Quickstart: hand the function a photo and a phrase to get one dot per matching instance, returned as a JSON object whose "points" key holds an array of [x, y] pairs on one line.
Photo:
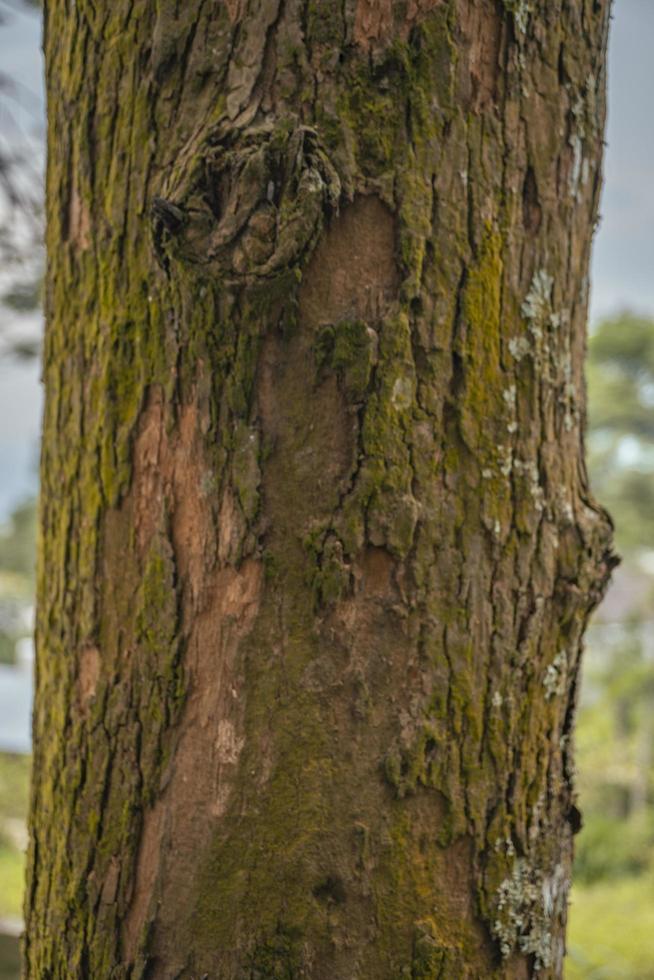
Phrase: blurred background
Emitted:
{"points": [[611, 932]]}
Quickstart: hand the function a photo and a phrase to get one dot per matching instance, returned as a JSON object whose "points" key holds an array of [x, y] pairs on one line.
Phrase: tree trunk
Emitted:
{"points": [[318, 547]]}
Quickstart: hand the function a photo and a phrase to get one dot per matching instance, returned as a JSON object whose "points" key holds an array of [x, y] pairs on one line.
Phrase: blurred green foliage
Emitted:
{"points": [[614, 757], [611, 928], [17, 542], [620, 373], [14, 790], [17, 548]]}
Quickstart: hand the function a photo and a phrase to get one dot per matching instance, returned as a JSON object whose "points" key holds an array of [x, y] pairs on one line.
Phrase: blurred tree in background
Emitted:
{"points": [[21, 273], [612, 918], [21, 203], [17, 542], [17, 546], [621, 439]]}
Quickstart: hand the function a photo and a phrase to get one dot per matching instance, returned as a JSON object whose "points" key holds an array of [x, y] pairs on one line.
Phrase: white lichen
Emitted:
{"points": [[568, 394], [505, 454], [519, 347], [510, 400], [537, 307], [528, 906], [504, 845], [565, 505], [577, 144], [586, 115], [402, 393], [529, 469], [521, 11], [555, 676]]}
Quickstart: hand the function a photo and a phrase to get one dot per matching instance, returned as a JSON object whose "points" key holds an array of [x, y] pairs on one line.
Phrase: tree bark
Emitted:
{"points": [[318, 547]]}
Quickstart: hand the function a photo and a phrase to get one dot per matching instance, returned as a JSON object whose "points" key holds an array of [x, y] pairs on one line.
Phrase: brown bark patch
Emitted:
{"points": [[169, 477], [353, 272], [305, 417], [306, 411], [481, 24], [377, 567], [89, 673], [209, 744], [373, 22], [79, 220], [230, 527], [150, 462], [532, 213], [192, 524], [147, 868], [376, 23], [308, 425], [167, 498], [234, 9]]}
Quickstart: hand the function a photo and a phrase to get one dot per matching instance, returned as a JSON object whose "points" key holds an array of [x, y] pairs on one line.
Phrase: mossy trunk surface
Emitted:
{"points": [[318, 546]]}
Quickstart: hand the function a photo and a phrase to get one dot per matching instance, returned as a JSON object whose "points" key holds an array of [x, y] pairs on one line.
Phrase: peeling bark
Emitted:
{"points": [[318, 546]]}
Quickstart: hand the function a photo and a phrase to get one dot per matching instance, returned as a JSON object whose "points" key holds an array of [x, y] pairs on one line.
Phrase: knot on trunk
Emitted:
{"points": [[252, 207]]}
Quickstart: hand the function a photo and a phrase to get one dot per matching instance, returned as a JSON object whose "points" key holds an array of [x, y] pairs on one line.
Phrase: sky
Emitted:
{"points": [[623, 260], [622, 274]]}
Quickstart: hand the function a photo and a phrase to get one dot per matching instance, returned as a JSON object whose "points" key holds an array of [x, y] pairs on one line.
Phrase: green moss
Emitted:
{"points": [[384, 485], [288, 822], [481, 346], [246, 474], [324, 23], [429, 958], [407, 768], [332, 577], [350, 349], [377, 128], [349, 524], [279, 958], [159, 646]]}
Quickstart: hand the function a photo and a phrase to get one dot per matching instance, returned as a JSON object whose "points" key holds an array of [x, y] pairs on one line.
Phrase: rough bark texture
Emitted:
{"points": [[317, 541]]}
